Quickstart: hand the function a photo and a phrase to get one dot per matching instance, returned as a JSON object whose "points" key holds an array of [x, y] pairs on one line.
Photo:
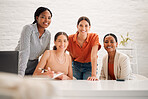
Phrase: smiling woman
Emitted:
{"points": [[83, 47], [34, 40], [56, 60], [116, 65]]}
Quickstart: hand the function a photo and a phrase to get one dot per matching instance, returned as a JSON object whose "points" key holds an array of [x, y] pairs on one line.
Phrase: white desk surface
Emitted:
{"points": [[37, 88], [83, 88]]}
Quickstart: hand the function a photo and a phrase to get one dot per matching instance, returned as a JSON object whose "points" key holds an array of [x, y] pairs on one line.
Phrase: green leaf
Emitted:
{"points": [[125, 39], [127, 34], [130, 39], [122, 37]]}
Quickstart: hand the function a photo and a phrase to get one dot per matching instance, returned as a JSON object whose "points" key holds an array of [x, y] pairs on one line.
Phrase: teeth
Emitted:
{"points": [[46, 23], [109, 47]]}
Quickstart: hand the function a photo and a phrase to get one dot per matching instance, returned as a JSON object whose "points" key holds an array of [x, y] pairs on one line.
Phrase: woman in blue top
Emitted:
{"points": [[34, 40]]}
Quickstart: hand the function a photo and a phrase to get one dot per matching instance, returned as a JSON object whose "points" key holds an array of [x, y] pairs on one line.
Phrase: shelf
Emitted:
{"points": [[122, 48]]}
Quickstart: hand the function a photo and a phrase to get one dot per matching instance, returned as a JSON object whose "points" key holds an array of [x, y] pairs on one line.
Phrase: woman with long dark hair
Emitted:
{"points": [[83, 47]]}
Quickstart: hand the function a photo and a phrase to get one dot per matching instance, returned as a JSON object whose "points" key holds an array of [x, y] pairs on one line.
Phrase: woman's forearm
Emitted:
{"points": [[94, 65], [94, 60]]}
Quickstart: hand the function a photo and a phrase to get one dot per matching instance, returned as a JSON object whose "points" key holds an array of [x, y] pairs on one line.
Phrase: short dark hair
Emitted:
{"points": [[39, 11], [83, 18], [56, 36], [110, 34]]}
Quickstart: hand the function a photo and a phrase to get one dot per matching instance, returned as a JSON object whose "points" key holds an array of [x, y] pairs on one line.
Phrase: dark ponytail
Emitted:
{"points": [[54, 47]]}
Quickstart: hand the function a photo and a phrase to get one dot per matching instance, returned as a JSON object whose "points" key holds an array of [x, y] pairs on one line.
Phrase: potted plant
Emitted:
{"points": [[125, 40]]}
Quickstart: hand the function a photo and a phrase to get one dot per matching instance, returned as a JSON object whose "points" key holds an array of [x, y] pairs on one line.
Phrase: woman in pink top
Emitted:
{"points": [[56, 60]]}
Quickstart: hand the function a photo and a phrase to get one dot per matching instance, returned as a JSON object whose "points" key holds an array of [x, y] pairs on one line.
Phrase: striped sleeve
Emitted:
{"points": [[24, 50]]}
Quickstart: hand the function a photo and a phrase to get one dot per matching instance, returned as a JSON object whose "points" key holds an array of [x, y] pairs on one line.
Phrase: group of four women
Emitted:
{"points": [[81, 62]]}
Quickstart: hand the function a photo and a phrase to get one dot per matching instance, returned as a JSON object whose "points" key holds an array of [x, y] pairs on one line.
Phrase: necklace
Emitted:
{"points": [[60, 60]]}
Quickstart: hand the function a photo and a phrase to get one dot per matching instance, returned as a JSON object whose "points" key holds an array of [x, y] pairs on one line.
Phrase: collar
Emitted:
{"points": [[76, 35], [36, 30]]}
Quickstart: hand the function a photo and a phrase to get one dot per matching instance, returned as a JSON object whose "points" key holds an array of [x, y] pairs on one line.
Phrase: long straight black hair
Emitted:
{"points": [[39, 11]]}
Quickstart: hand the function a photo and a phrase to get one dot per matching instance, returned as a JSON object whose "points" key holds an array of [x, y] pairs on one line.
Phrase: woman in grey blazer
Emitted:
{"points": [[34, 40], [116, 65]]}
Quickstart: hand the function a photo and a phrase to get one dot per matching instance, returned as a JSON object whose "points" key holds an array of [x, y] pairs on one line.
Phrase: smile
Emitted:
{"points": [[109, 47], [45, 23], [62, 47]]}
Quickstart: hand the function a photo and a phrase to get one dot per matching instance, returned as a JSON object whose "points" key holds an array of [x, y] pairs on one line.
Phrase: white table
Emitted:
{"points": [[111, 89], [14, 87]]}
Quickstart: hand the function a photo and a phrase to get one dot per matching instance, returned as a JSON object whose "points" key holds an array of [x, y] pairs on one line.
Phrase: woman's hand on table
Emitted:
{"points": [[63, 76], [92, 78]]}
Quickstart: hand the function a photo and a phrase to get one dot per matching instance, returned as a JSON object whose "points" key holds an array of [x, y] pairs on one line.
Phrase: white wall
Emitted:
{"points": [[116, 16]]}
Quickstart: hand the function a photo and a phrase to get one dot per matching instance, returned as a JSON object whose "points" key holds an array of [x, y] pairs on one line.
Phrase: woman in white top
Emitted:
{"points": [[116, 65], [57, 60], [34, 40]]}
